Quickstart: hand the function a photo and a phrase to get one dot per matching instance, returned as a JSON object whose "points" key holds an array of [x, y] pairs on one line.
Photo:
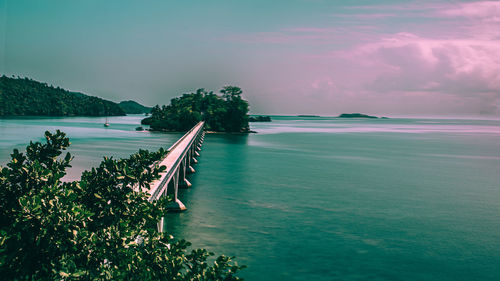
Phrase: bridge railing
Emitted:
{"points": [[186, 144], [185, 136]]}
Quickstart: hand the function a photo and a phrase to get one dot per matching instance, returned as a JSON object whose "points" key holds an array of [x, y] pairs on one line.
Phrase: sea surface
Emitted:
{"points": [[324, 198]]}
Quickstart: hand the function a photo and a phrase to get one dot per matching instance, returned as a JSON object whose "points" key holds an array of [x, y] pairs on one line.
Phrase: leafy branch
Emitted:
{"points": [[101, 227]]}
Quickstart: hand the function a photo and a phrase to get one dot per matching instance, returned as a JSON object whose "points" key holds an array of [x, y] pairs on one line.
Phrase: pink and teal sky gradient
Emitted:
{"points": [[290, 57]]}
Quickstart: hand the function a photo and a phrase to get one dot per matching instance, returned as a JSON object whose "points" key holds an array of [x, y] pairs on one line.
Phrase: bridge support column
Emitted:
{"points": [[162, 225], [183, 181], [195, 154], [189, 161], [192, 158], [173, 189]]}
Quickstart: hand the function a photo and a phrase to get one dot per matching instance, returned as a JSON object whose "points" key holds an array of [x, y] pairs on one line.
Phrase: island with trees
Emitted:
{"points": [[356, 115], [259, 118], [26, 97], [224, 112]]}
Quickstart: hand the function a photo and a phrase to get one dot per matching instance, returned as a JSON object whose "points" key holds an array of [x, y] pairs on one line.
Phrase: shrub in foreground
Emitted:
{"points": [[99, 228]]}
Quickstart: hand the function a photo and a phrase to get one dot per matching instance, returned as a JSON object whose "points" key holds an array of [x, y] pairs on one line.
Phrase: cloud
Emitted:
{"points": [[486, 10], [448, 61], [405, 62], [460, 70], [421, 59]]}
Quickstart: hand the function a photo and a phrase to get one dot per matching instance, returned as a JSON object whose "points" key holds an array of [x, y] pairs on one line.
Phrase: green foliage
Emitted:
{"points": [[259, 118], [226, 113], [356, 115], [132, 107], [99, 228], [26, 97]]}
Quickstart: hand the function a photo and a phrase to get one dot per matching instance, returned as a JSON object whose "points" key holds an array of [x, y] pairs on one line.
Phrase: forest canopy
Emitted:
{"points": [[26, 97], [133, 107], [227, 112]]}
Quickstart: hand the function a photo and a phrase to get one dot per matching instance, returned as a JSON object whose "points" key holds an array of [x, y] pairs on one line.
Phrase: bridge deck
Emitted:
{"points": [[176, 152]]}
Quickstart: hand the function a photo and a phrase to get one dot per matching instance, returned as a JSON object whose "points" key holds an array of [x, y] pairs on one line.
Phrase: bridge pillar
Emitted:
{"points": [[191, 170], [162, 225], [192, 159], [195, 154], [183, 181], [173, 189], [189, 161]]}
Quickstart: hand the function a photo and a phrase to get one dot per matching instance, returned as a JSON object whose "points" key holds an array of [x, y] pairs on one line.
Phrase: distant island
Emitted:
{"points": [[227, 112], [26, 97], [356, 115], [132, 107], [259, 119]]}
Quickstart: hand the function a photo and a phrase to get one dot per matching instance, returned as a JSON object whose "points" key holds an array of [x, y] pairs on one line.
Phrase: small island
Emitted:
{"points": [[227, 112], [26, 97], [259, 118], [356, 115], [307, 115]]}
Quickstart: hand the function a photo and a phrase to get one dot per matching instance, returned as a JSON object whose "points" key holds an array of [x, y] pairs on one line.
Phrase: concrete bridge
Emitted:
{"points": [[179, 160]]}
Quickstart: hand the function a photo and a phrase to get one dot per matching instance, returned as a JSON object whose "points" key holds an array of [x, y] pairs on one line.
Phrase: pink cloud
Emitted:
{"points": [[476, 20], [405, 72], [484, 9], [449, 64], [406, 62]]}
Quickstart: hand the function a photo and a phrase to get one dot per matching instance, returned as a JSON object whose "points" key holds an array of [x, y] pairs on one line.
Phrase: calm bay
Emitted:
{"points": [[324, 198]]}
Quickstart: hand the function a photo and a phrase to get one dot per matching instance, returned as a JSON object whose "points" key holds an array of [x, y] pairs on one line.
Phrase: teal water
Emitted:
{"points": [[324, 198], [90, 140]]}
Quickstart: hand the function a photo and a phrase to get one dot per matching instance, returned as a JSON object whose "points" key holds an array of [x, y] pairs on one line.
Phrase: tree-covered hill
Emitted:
{"points": [[222, 113], [132, 107], [26, 97]]}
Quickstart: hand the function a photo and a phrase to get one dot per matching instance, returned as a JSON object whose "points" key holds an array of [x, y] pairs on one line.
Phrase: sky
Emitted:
{"points": [[289, 56]]}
